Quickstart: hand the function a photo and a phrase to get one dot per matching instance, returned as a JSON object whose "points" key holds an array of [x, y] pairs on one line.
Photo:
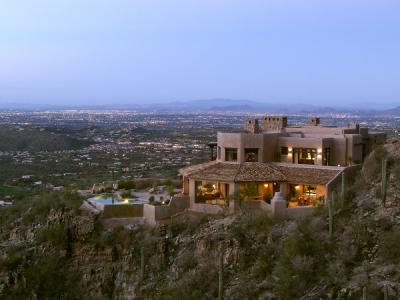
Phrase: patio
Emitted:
{"points": [[215, 193], [263, 191], [305, 195]]}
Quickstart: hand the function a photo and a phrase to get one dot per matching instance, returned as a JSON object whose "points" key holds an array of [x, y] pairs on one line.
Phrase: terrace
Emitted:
{"points": [[306, 195], [258, 190], [215, 193], [216, 182]]}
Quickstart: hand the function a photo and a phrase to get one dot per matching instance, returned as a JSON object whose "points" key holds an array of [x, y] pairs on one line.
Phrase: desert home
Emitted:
{"points": [[288, 170]]}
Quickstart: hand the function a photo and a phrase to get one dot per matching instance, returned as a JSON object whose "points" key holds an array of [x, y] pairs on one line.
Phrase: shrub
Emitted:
{"points": [[151, 199], [12, 260], [187, 262], [396, 172], [178, 227], [126, 184], [56, 234], [48, 278], [389, 245], [126, 194], [170, 189], [373, 163], [146, 183]]}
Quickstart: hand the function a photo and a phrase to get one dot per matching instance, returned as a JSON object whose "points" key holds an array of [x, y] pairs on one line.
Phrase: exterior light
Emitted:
{"points": [[266, 185], [338, 165], [214, 186], [319, 155], [319, 150], [290, 149]]}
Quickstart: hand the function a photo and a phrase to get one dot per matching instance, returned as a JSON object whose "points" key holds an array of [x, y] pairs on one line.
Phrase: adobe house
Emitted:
{"points": [[300, 165]]}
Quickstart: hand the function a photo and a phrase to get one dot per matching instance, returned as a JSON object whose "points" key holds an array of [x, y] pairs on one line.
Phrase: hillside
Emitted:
{"points": [[33, 139], [52, 250]]}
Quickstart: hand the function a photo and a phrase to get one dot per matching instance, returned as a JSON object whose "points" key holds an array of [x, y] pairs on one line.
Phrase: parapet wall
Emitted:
{"points": [[281, 211], [151, 213], [154, 214], [273, 123]]}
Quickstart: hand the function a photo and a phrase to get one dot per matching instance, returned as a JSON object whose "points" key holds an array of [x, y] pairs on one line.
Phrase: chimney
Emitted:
{"points": [[252, 126], [314, 121], [274, 122]]}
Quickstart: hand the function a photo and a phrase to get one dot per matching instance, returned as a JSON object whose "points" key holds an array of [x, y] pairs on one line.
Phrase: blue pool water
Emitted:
{"points": [[110, 199]]}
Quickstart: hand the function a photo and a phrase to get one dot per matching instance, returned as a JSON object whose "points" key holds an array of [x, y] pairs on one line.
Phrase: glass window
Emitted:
{"points": [[309, 190], [199, 198], [251, 155], [219, 152], [284, 150], [230, 154], [304, 156], [327, 157]]}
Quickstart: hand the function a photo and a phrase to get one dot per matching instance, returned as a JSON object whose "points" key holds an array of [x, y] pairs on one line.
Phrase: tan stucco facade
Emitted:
{"points": [[271, 143], [344, 145]]}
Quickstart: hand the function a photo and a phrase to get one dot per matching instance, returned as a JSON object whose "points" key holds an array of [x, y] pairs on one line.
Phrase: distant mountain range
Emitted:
{"points": [[394, 111], [211, 106]]}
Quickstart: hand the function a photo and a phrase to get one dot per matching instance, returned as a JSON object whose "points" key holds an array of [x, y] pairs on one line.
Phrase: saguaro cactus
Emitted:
{"points": [[384, 180], [220, 278], [141, 263], [343, 192], [364, 296], [330, 211], [385, 292]]}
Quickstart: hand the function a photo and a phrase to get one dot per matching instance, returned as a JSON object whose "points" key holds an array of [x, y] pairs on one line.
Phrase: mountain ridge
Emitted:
{"points": [[209, 106]]}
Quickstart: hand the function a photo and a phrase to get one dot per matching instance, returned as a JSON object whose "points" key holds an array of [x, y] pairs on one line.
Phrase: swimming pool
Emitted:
{"points": [[110, 199]]}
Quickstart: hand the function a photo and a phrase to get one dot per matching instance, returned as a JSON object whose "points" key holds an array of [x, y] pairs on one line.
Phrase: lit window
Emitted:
{"points": [[251, 155], [230, 154]]}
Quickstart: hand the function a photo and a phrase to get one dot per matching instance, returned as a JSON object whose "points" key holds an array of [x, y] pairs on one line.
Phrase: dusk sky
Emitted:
{"points": [[342, 52]]}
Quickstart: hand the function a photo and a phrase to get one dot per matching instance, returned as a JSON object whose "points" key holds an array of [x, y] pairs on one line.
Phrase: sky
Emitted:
{"points": [[95, 52]]}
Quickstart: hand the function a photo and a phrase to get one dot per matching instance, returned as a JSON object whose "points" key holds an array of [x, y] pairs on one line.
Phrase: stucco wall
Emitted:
{"points": [[343, 146], [289, 212], [241, 141], [149, 213], [153, 214], [299, 142], [123, 210], [271, 150]]}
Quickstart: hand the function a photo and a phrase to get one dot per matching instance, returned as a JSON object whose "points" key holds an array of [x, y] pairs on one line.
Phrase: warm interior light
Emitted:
{"points": [[338, 165], [290, 149], [319, 150], [266, 185], [214, 186], [297, 187]]}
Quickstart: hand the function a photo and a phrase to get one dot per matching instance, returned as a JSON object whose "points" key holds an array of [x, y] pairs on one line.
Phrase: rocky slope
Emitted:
{"points": [[49, 249]]}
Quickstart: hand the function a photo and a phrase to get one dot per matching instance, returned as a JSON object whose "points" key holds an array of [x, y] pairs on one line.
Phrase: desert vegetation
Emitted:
{"points": [[50, 249]]}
